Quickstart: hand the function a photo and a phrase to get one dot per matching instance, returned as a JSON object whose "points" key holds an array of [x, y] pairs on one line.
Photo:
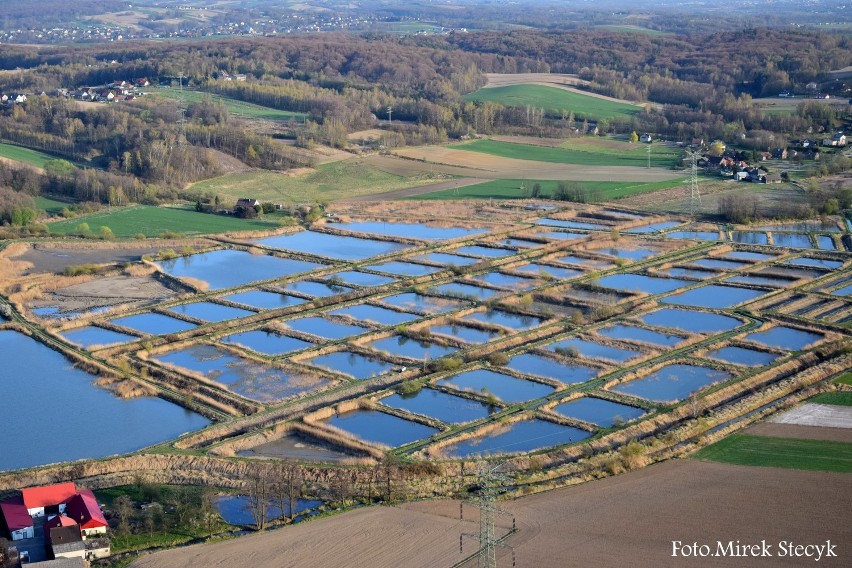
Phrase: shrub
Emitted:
{"points": [[409, 388], [448, 364], [80, 269], [498, 358], [106, 233], [168, 254]]}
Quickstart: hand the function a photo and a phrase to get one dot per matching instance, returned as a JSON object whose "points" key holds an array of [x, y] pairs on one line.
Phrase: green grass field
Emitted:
{"points": [[555, 100], [32, 157], [332, 181], [817, 455], [510, 189], [51, 206], [844, 379], [153, 221], [588, 155], [627, 28], [235, 107], [836, 398]]}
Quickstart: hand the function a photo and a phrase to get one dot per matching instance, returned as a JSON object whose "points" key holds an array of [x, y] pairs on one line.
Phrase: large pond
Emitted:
{"points": [[547, 270], [35, 374], [689, 320], [408, 230], [440, 406], [266, 342], [507, 281], [92, 336], [635, 333], [376, 314], [235, 509], [317, 289], [353, 364], [154, 324], [569, 224], [462, 290], [484, 252], [598, 411], [403, 268], [593, 350], [672, 382], [505, 387], [321, 327], [247, 378], [522, 436], [511, 320], [217, 268], [263, 300], [465, 333], [641, 283], [403, 346], [356, 278], [446, 259], [714, 296], [209, 311], [422, 304], [381, 428], [550, 368], [743, 356], [331, 246], [785, 338]]}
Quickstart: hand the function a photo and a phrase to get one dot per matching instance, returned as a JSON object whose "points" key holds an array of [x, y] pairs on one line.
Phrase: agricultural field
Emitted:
{"points": [[631, 29], [556, 100], [512, 189], [843, 398], [815, 455], [25, 155], [234, 106], [154, 221], [51, 206]]}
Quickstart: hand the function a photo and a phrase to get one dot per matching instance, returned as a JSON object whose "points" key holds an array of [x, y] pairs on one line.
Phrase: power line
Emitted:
{"points": [[489, 484], [694, 193]]}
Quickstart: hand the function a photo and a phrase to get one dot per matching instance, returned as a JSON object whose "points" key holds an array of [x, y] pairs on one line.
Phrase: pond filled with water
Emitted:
{"points": [[440, 406], [662, 226], [550, 368], [569, 224], [355, 278], [522, 436], [403, 268], [791, 240], [34, 372], [825, 243], [672, 382], [843, 292], [317, 289], [696, 235], [446, 259], [235, 509], [749, 238], [92, 335], [757, 280], [747, 255], [263, 300], [354, 364], [407, 230], [592, 349], [632, 332], [506, 281], [465, 291], [689, 320], [743, 356], [719, 263], [464, 333], [816, 263], [680, 272], [420, 303], [641, 283], [505, 387], [209, 311], [324, 328], [382, 428], [633, 254], [484, 252], [331, 246], [538, 269], [599, 411], [218, 267], [376, 314], [518, 242], [785, 338], [803, 226], [243, 376], [505, 319], [557, 235], [714, 296], [266, 342], [403, 346], [586, 262], [153, 323]]}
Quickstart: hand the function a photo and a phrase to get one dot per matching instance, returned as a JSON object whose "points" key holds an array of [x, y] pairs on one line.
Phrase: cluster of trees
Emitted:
{"points": [[162, 508]]}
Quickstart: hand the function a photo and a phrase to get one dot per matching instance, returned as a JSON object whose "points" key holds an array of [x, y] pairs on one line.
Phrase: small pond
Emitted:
{"points": [[816, 263], [785, 338], [381, 428], [791, 240], [719, 263], [672, 382], [757, 280], [235, 509], [522, 436], [695, 235], [209, 311], [689, 320], [154, 323], [407, 230], [545, 270], [641, 283], [747, 256], [714, 296], [743, 356], [92, 335], [331, 246], [843, 292], [749, 238], [324, 328], [375, 314], [263, 300], [507, 281], [317, 289], [656, 227], [465, 333], [825, 242], [505, 387], [403, 268], [586, 262], [356, 278], [569, 224], [551, 368], [266, 342], [423, 304], [446, 259], [502, 318], [594, 350], [354, 364], [403, 346], [633, 254], [557, 235], [599, 411], [484, 252], [680, 272], [634, 333], [464, 291], [440, 406], [815, 226]]}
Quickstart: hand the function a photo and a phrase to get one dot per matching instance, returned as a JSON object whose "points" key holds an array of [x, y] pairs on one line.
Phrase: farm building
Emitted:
{"points": [[646, 138], [772, 178], [84, 510], [16, 519], [47, 499]]}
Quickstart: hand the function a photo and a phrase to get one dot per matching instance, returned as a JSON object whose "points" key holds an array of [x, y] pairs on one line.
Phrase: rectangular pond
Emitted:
{"points": [[484, 252], [655, 228], [502, 318], [331, 246], [154, 323], [399, 268], [569, 224], [815, 226], [34, 372], [785, 338], [209, 311], [749, 238], [507, 281], [714, 296], [465, 333], [641, 283], [235, 509], [266, 342], [695, 235], [380, 427], [557, 235], [464, 291], [422, 304], [353, 364], [598, 411], [633, 254], [356, 278], [229, 268], [825, 242], [816, 263], [317, 289], [407, 230], [245, 377], [690, 320], [791, 240], [505, 387], [585, 262], [757, 280], [680, 272], [539, 366], [718, 263], [521, 436], [446, 259], [91, 335], [743, 356], [321, 327], [375, 314], [748, 256], [548, 271], [441, 406], [593, 350], [263, 300], [672, 383], [403, 346], [634, 333]]}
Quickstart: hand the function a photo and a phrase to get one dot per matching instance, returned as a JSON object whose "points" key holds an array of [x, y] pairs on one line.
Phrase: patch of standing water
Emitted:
{"points": [[317, 289], [585, 262], [263, 300], [695, 235], [446, 259], [354, 364], [403, 268], [484, 252], [441, 406], [408, 230], [690, 320], [816, 263], [465, 291], [631, 332], [714, 296], [34, 372], [507, 281], [331, 246], [511, 320], [641, 283], [521, 436], [759, 280], [266, 342], [672, 382], [568, 224], [550, 368], [355, 278], [91, 335], [520, 243], [749, 238], [662, 226], [825, 242], [747, 255], [236, 510], [679, 272], [804, 226], [537, 269], [403, 346], [598, 411], [505, 387], [791, 240], [719, 263], [785, 338], [594, 350], [208, 311], [464, 333], [154, 323], [843, 292], [381, 428], [321, 327], [743, 356], [631, 254], [423, 304], [560, 235], [375, 314], [217, 267]]}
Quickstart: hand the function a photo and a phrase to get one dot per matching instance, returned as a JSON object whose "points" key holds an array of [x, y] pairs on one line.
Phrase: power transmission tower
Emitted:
{"points": [[488, 486], [694, 193]]}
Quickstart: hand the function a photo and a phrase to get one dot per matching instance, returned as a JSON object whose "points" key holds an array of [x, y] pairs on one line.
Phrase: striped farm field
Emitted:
{"points": [[817, 455], [555, 100], [511, 189]]}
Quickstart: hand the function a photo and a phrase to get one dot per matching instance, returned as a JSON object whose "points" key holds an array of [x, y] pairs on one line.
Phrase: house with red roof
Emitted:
{"points": [[48, 498], [16, 519], [83, 508]]}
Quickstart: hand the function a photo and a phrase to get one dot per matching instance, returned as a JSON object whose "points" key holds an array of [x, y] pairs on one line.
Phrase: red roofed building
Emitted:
{"points": [[16, 519], [57, 521], [83, 508], [50, 498]]}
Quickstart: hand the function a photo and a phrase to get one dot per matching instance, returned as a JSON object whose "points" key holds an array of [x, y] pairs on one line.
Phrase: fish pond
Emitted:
{"points": [[785, 338], [403, 346], [816, 263], [380, 427], [656, 227], [634, 333], [521, 436], [720, 264], [672, 382], [545, 270], [321, 327], [154, 323], [263, 300], [209, 311], [633, 254], [408, 230], [791, 240], [502, 318], [484, 252], [743, 356], [539, 366], [569, 224], [317, 289], [441, 406], [356, 278], [593, 350], [464, 291], [507, 281], [446, 259], [505, 387], [465, 333], [749, 238], [353, 364], [598, 411], [92, 335], [420, 303], [375, 314], [748, 256], [331, 246], [34, 372], [266, 342], [690, 320], [681, 272], [399, 268], [695, 235], [714, 296], [641, 283]]}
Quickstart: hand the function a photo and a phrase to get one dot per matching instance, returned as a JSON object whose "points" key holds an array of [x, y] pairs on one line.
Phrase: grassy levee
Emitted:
{"points": [[25, 155], [814, 455], [556, 100], [234, 106], [511, 189]]}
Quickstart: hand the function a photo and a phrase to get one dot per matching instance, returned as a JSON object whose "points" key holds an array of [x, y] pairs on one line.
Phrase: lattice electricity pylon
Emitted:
{"points": [[694, 193], [488, 486]]}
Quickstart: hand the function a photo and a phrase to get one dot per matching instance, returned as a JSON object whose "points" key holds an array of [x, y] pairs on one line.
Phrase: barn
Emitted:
{"points": [[16, 519], [47, 499]]}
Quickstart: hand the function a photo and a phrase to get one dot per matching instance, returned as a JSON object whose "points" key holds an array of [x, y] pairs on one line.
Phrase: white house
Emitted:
{"points": [[645, 138]]}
